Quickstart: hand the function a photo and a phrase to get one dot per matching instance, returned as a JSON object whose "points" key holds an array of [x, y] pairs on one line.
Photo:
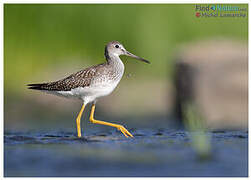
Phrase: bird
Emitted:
{"points": [[92, 83]]}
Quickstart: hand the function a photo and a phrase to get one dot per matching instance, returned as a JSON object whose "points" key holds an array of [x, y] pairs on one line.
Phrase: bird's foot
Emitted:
{"points": [[124, 131], [79, 135]]}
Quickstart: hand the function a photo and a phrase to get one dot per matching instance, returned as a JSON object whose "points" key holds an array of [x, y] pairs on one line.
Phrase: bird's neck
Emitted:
{"points": [[114, 60]]}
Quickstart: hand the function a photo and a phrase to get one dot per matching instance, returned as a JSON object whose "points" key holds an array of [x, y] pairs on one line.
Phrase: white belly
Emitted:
{"points": [[88, 94], [101, 85]]}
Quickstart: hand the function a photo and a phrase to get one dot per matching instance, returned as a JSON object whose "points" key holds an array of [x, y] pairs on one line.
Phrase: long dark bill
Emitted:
{"points": [[136, 57]]}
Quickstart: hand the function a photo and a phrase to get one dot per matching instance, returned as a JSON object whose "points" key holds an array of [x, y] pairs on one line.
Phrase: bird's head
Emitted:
{"points": [[117, 49]]}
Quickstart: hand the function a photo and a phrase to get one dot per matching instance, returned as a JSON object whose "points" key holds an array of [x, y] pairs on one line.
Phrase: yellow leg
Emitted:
{"points": [[79, 119], [118, 126]]}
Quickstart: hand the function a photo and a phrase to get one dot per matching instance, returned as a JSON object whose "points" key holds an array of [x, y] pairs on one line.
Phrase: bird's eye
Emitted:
{"points": [[116, 46]]}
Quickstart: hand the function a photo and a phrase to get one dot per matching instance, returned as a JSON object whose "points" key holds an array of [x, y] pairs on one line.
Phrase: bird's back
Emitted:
{"points": [[92, 76], [82, 78]]}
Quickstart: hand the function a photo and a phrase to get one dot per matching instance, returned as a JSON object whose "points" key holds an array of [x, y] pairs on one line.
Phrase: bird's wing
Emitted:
{"points": [[81, 78]]}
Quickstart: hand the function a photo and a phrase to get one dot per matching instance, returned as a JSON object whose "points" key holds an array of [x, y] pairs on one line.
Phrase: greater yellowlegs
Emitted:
{"points": [[92, 83]]}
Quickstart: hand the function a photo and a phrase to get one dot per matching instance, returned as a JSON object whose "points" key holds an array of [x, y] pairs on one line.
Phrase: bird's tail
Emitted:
{"points": [[38, 86]]}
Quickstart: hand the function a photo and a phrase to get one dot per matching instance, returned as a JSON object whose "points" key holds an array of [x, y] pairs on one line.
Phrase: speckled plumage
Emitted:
{"points": [[93, 82], [82, 78]]}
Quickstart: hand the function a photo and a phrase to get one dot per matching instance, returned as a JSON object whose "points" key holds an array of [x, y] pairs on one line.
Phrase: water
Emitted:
{"points": [[160, 152]]}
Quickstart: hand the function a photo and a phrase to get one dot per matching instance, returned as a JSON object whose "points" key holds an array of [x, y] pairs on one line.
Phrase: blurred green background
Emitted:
{"points": [[46, 42]]}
